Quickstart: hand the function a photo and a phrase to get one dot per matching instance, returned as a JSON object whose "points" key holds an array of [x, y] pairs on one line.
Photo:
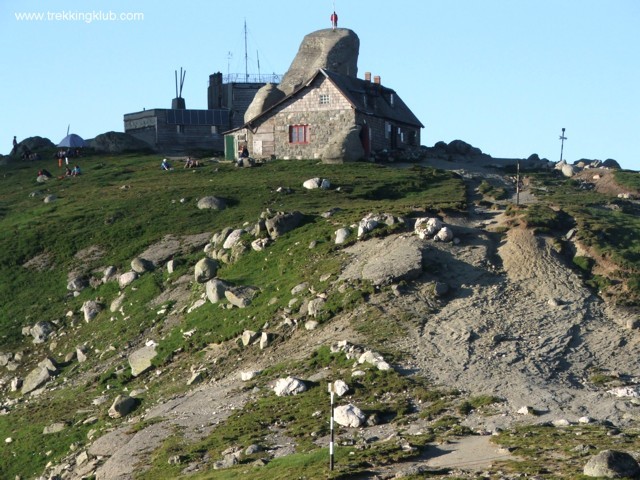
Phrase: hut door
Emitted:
{"points": [[365, 139], [230, 149]]}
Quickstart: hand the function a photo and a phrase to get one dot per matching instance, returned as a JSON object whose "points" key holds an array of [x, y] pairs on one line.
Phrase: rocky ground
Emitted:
{"points": [[513, 321]]}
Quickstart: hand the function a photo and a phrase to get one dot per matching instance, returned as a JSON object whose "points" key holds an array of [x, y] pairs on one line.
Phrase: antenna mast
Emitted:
{"points": [[258, 58], [246, 57]]}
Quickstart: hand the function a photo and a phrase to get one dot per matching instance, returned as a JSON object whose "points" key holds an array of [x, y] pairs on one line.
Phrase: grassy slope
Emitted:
{"points": [[95, 210], [123, 204]]}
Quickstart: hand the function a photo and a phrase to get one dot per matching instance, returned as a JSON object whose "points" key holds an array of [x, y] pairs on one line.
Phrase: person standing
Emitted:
{"points": [[334, 20], [15, 145]]}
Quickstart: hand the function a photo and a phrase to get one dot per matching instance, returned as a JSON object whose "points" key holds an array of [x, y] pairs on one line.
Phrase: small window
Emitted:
{"points": [[387, 130], [299, 134], [180, 128], [324, 99]]}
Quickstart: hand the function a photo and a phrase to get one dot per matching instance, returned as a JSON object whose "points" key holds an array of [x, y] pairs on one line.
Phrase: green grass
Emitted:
{"points": [[126, 203], [552, 453]]}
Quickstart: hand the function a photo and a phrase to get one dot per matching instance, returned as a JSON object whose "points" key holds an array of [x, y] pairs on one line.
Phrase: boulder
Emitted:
{"points": [[50, 198], [109, 274], [249, 375], [349, 416], [336, 50], [340, 387], [205, 270], [39, 376], [140, 360], [117, 303], [127, 279], [282, 223], [248, 337], [612, 464], [445, 234], [240, 297], [568, 170], [41, 331], [77, 283], [367, 224], [315, 306], [385, 261], [427, 227], [264, 98], [54, 428], [122, 406], [341, 235], [233, 238], [289, 386], [212, 203], [312, 183], [118, 142], [265, 340], [141, 265], [300, 288], [35, 144], [260, 244], [91, 309], [215, 289]]}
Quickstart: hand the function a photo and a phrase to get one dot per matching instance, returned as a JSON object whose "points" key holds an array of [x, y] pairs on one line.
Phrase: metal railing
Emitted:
{"points": [[251, 78]]}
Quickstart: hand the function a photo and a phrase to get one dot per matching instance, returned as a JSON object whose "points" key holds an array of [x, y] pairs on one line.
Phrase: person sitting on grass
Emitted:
{"points": [[165, 165], [76, 171]]}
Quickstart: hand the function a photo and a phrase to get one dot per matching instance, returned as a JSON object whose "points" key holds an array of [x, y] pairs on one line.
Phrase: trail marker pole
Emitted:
{"points": [[518, 182], [562, 139], [331, 391]]}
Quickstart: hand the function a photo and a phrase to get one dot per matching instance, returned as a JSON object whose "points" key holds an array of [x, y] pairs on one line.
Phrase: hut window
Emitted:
{"points": [[324, 99], [299, 134]]}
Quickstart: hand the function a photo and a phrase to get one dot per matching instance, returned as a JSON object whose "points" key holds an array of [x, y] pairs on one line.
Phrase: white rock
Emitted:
{"points": [[249, 375], [289, 386], [625, 391], [233, 238], [341, 235], [340, 387], [349, 416], [312, 183], [127, 279]]}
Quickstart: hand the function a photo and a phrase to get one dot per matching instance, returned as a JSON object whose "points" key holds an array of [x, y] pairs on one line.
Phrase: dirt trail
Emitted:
{"points": [[522, 327]]}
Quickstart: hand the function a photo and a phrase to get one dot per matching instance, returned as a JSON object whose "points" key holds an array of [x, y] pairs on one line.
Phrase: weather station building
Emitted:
{"points": [[178, 130]]}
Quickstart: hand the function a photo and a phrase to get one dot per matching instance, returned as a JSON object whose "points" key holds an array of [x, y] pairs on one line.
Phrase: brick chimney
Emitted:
{"points": [[376, 79], [367, 76]]}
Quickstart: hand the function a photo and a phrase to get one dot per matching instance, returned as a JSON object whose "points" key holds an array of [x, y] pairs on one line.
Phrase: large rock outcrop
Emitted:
{"points": [[336, 50], [118, 142]]}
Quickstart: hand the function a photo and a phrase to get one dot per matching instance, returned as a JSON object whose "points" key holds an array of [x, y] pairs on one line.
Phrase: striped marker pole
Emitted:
{"points": [[331, 427]]}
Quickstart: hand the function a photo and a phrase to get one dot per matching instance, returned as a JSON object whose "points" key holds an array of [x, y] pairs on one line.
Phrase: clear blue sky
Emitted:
{"points": [[503, 75]]}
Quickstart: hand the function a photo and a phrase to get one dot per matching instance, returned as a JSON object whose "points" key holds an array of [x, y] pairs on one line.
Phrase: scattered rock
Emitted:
{"points": [[41, 331], [612, 464], [205, 270], [122, 406], [341, 235], [241, 297], [289, 386], [91, 309], [127, 279], [140, 360], [349, 416], [212, 203]]}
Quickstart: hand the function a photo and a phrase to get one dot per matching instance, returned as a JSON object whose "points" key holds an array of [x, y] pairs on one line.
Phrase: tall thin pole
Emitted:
{"points": [[518, 183], [246, 56], [331, 428], [562, 139]]}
